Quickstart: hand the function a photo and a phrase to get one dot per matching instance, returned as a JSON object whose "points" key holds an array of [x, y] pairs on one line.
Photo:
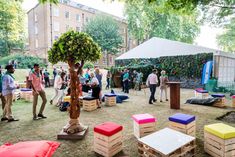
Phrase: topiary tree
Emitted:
{"points": [[74, 48]]}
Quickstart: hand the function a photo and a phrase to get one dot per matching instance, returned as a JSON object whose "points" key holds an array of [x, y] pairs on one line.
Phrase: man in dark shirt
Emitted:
{"points": [[46, 75], [122, 84]]}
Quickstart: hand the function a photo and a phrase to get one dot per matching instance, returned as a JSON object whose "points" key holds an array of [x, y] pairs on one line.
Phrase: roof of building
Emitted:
{"points": [[158, 47]]}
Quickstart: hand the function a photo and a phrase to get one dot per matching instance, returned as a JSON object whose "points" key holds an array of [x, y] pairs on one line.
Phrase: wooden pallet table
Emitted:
{"points": [[167, 143], [108, 139], [143, 124], [219, 140], [89, 104], [184, 123]]}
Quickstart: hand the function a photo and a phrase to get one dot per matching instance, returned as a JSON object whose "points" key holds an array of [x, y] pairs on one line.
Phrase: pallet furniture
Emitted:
{"points": [[110, 99], [143, 124], [233, 101], [16, 95], [219, 140], [81, 101], [22, 85], [26, 94], [89, 103], [184, 123], [108, 139], [201, 94], [221, 100], [167, 143]]}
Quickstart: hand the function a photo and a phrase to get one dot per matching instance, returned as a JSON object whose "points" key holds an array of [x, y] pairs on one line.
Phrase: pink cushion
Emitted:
{"points": [[108, 128], [233, 96], [143, 118], [29, 149]]}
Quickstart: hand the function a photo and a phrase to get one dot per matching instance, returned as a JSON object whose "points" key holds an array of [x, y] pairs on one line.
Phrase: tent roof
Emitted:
{"points": [[158, 47]]}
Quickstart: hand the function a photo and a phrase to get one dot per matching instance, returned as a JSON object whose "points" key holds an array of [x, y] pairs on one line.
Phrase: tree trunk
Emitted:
{"points": [[107, 57], [74, 126]]}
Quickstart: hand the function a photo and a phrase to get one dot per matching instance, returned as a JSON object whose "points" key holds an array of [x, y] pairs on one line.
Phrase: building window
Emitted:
{"points": [[35, 17], [104, 60], [36, 43], [36, 30], [56, 26], [56, 12], [87, 20], [56, 37], [78, 18], [124, 30], [78, 29], [67, 15]]}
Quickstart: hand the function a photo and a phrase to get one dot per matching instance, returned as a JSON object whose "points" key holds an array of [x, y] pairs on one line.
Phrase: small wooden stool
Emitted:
{"points": [[201, 94], [89, 103], [16, 95], [110, 99], [221, 100], [219, 140], [184, 123], [167, 143], [144, 124], [26, 93], [108, 139], [81, 101]]}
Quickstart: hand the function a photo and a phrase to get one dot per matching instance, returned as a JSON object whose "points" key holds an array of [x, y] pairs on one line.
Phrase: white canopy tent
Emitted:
{"points": [[158, 47]]}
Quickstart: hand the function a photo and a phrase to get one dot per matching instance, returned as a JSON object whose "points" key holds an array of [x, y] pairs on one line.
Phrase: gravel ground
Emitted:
{"points": [[47, 129]]}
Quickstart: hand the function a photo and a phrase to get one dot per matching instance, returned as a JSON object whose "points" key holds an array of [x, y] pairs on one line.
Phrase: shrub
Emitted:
{"points": [[88, 65], [24, 62]]}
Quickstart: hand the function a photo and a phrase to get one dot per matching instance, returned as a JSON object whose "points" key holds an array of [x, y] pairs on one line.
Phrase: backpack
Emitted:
{"points": [[64, 106]]}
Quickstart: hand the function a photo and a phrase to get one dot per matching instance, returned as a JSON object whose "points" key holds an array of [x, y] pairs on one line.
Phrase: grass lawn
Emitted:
{"points": [[47, 129]]}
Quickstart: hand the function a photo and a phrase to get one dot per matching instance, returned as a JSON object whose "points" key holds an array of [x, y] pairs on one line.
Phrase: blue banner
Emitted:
{"points": [[206, 73]]}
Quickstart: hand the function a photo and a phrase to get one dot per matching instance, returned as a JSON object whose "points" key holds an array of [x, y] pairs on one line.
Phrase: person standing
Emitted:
{"points": [[163, 85], [36, 81], [1, 96], [95, 89], [54, 73], [108, 77], [122, 83], [126, 81], [8, 88], [151, 82], [46, 76], [57, 85]]}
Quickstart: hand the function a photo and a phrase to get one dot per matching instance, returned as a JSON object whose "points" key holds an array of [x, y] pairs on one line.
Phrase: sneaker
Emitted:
{"points": [[51, 102], [166, 99], [12, 120], [35, 118], [41, 116], [98, 107], [150, 103], [154, 100], [4, 119], [160, 100]]}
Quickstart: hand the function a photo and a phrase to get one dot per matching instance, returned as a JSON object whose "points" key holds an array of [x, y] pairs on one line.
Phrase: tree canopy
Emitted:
{"points": [[227, 39], [12, 32], [146, 21], [105, 31]]}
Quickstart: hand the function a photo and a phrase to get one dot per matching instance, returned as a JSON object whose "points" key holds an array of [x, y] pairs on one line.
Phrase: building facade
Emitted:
{"points": [[46, 22]]}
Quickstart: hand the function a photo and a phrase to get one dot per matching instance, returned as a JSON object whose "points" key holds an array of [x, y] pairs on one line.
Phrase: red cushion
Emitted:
{"points": [[108, 128], [29, 149]]}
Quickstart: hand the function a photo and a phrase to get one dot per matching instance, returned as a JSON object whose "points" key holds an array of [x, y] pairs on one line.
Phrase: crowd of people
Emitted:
{"points": [[90, 81]]}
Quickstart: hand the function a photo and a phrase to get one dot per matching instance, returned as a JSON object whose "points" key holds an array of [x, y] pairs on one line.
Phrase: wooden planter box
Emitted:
{"points": [[167, 143], [89, 105], [110, 101], [189, 129]]}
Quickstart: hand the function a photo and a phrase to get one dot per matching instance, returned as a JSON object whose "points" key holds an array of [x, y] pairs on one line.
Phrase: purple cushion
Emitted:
{"points": [[182, 118], [25, 89], [218, 95], [110, 95], [202, 91]]}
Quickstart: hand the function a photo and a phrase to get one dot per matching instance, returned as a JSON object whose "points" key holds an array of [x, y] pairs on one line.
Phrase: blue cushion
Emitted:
{"points": [[218, 95], [182, 118], [25, 89], [88, 98], [202, 91], [110, 95]]}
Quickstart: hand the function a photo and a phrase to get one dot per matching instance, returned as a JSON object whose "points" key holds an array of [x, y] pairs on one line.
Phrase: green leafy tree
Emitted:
{"points": [[105, 31], [146, 21], [227, 39], [12, 32], [74, 48]]}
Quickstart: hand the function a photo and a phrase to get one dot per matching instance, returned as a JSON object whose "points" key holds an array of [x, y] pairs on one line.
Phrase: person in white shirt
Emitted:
{"points": [[152, 82], [95, 89], [57, 86]]}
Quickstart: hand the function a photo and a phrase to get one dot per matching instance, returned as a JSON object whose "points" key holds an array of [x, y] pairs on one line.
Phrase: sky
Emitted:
{"points": [[206, 38]]}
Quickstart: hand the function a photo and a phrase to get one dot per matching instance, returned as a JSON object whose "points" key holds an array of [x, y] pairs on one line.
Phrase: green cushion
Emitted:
{"points": [[221, 130]]}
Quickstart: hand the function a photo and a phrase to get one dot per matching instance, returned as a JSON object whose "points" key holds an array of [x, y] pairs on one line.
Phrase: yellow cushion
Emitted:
{"points": [[221, 130], [67, 99]]}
